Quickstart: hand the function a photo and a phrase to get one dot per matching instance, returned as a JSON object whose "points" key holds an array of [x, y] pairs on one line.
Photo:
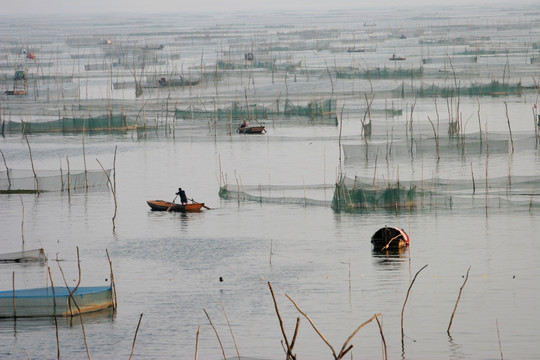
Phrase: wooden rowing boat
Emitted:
{"points": [[259, 129], [390, 238], [24, 256], [162, 205], [54, 301]]}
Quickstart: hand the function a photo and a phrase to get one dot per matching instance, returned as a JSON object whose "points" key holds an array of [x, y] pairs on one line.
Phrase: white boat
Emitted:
{"points": [[25, 255], [54, 301]]}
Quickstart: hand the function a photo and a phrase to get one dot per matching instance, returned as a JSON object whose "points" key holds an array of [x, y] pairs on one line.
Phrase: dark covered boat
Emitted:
{"points": [[162, 205], [390, 238], [163, 82]]}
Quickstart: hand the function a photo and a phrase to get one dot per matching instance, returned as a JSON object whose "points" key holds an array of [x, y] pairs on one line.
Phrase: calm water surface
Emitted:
{"points": [[167, 265]]}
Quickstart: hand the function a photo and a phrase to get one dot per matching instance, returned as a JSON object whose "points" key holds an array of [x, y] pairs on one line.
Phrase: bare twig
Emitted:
{"points": [[289, 346], [313, 325]]}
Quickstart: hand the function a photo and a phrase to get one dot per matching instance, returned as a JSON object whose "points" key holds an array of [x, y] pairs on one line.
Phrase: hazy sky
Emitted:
{"points": [[35, 7]]}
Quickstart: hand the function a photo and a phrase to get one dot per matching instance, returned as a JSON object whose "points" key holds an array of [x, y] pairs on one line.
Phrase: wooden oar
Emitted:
{"points": [[170, 206], [204, 206]]}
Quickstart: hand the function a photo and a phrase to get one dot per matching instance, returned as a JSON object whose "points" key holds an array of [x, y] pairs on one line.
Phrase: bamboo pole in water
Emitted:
{"points": [[22, 221], [72, 299], [385, 348], [217, 335], [459, 296], [135, 337], [113, 190], [14, 298], [499, 338], [7, 169], [230, 328], [32, 162], [509, 127], [55, 317], [197, 343], [113, 283], [403, 309]]}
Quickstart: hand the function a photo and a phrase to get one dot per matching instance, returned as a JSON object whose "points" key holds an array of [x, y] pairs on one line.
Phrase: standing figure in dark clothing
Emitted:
{"points": [[182, 195]]}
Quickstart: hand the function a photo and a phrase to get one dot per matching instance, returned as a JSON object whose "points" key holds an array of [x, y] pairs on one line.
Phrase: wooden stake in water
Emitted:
{"points": [[32, 162], [459, 296], [14, 297], [403, 309], [135, 337], [217, 335], [509, 127]]}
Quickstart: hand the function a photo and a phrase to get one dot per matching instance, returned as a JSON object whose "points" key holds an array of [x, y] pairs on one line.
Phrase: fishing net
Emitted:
{"points": [[51, 180], [107, 122], [305, 195], [368, 194]]}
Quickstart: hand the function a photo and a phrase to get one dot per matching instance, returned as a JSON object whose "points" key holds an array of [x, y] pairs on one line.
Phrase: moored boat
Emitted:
{"points": [[397, 58], [259, 129], [54, 301], [163, 82], [390, 238], [162, 205]]}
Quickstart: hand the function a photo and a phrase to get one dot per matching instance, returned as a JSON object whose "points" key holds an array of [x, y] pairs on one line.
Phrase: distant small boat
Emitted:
{"points": [[397, 58], [24, 256], [353, 50], [54, 301], [258, 129], [390, 238], [15, 92], [162, 205], [163, 82]]}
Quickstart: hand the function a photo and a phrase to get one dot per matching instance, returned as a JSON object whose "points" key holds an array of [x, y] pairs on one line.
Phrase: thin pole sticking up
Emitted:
{"points": [[230, 329], [72, 299], [499, 337], [457, 301], [22, 221], [197, 343], [7, 169], [509, 128], [135, 337], [217, 335], [113, 190], [383, 340], [113, 283], [14, 297], [403, 309], [32, 162], [55, 317]]}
